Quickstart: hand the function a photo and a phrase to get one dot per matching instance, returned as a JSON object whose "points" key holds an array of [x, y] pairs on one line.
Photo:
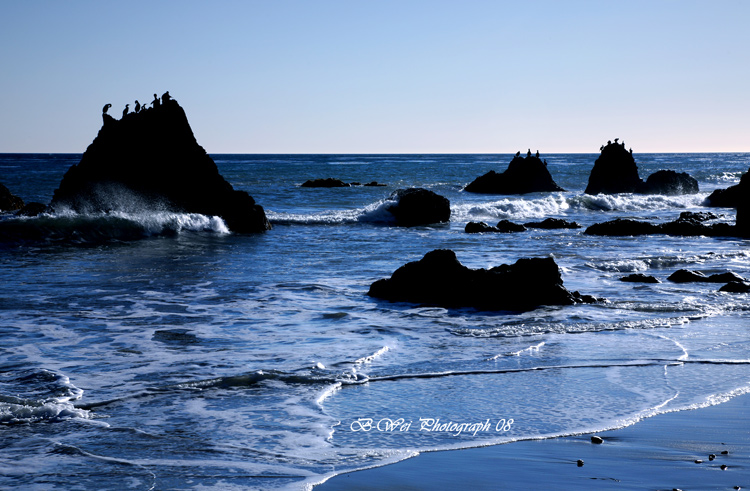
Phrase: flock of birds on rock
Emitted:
{"points": [[138, 107]]}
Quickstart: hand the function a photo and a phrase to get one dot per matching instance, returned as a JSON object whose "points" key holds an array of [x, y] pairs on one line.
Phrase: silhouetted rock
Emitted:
{"points": [[735, 287], [730, 197], [669, 182], [698, 216], [622, 227], [440, 279], [552, 223], [417, 206], [503, 226], [506, 226], [615, 171], [523, 175], [639, 278], [687, 276], [32, 209], [325, 183], [679, 227], [375, 184], [151, 160], [479, 227], [8, 201]]}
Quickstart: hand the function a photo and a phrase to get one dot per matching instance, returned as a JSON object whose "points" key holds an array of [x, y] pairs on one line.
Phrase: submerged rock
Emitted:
{"points": [[552, 223], [32, 209], [478, 228], [688, 276], [417, 206], [8, 201], [681, 227], [503, 226], [151, 160], [735, 287], [524, 175], [325, 183], [440, 279], [507, 226], [639, 278], [615, 171]]}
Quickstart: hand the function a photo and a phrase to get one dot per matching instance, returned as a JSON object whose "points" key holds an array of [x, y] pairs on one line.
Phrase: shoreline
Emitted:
{"points": [[660, 452]]}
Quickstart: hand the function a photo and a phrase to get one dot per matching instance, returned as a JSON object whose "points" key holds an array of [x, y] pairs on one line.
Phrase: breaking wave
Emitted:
{"points": [[103, 227]]}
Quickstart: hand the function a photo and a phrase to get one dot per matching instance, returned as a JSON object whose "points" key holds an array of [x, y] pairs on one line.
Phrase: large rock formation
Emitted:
{"points": [[440, 279], [524, 175], [615, 171], [417, 206], [151, 160], [8, 201]]}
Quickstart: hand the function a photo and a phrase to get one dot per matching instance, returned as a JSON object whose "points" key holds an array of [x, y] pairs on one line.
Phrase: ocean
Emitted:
{"points": [[156, 350]]}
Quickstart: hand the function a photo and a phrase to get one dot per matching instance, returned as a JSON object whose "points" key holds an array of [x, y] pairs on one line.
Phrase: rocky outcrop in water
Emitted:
{"points": [[680, 227], [731, 197], [688, 276], [552, 223], [417, 206], [615, 171], [639, 278], [325, 183], [503, 226], [524, 175], [506, 226], [9, 201], [32, 209], [151, 160], [440, 279]]}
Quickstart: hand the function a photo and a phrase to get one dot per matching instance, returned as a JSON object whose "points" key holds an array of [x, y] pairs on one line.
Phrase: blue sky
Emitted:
{"points": [[320, 76]]}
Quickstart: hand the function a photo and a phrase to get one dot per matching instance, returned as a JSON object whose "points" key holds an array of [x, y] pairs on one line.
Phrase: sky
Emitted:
{"points": [[382, 76]]}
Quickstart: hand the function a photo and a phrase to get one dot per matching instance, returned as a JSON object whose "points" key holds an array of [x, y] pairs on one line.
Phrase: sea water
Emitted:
{"points": [[147, 349]]}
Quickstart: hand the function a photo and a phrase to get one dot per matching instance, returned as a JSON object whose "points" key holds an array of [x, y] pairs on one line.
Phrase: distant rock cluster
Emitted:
{"points": [[331, 182], [733, 283]]}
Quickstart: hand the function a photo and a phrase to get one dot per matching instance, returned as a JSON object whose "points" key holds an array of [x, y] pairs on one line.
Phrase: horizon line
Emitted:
{"points": [[404, 153]]}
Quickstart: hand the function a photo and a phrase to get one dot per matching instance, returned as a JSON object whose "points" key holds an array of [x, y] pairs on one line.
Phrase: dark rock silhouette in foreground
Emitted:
{"points": [[8, 201], [150, 160], [615, 171], [417, 206], [524, 175], [325, 183], [440, 279]]}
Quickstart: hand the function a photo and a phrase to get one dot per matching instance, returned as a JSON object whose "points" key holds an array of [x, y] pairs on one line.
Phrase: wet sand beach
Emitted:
{"points": [[659, 453]]}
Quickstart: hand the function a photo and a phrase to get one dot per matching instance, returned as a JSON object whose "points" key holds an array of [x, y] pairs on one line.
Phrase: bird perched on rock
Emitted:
{"points": [[125, 111], [105, 108]]}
